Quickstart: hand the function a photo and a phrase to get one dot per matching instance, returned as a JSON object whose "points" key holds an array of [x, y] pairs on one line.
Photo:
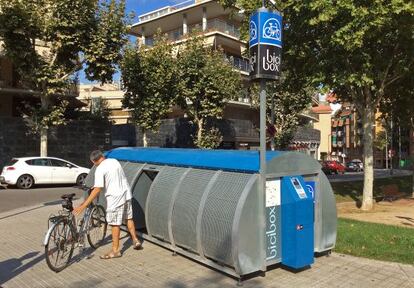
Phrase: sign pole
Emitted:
{"points": [[263, 136], [265, 45]]}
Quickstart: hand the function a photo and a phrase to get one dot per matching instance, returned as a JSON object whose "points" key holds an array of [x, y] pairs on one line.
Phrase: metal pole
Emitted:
{"points": [[272, 143], [264, 3], [262, 183], [263, 133]]}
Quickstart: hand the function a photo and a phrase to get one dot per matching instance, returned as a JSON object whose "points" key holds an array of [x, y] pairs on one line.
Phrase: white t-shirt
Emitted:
{"points": [[110, 176]]}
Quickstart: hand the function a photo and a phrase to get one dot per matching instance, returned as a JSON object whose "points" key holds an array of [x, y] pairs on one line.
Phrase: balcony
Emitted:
{"points": [[212, 25], [223, 26], [239, 63]]}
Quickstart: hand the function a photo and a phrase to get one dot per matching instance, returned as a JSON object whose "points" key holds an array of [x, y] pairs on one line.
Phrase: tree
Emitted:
{"points": [[150, 77], [288, 103], [49, 41], [206, 83], [400, 107], [361, 49]]}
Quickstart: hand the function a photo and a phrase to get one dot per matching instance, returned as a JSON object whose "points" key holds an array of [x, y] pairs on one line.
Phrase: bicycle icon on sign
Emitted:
{"points": [[253, 31], [272, 29]]}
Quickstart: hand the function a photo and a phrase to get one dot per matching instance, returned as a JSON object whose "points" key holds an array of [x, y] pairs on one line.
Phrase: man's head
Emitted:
{"points": [[96, 157]]}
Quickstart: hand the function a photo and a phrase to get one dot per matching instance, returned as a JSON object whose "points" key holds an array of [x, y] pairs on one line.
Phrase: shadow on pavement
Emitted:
{"points": [[13, 267]]}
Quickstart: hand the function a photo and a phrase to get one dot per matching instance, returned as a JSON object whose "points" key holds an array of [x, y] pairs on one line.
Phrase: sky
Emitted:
{"points": [[140, 7]]}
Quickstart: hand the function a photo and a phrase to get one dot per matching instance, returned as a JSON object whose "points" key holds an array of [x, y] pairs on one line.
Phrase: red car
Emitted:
{"points": [[333, 167]]}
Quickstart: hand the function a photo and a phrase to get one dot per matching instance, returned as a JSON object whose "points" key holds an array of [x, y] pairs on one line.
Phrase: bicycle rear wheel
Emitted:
{"points": [[97, 227], [60, 245]]}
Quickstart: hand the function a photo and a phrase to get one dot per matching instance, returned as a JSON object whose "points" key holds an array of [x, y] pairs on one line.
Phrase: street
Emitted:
{"points": [[43, 196], [359, 176]]}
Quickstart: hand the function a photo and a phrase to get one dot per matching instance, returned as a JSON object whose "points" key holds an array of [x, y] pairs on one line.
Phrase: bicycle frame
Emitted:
{"points": [[80, 234]]}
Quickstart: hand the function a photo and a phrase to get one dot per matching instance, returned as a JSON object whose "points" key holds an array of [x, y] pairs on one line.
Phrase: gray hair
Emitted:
{"points": [[96, 155]]}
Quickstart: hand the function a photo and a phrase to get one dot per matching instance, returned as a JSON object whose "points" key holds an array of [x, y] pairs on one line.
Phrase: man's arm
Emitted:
{"points": [[95, 192]]}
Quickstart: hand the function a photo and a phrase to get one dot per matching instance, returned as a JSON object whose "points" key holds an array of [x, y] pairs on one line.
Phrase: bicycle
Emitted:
{"points": [[272, 31], [63, 233]]}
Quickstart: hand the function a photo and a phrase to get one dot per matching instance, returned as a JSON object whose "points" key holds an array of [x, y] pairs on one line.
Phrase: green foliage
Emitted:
{"points": [[150, 79], [381, 141], [206, 82], [363, 50], [38, 118], [103, 53], [211, 138], [288, 102], [99, 110], [48, 41]]}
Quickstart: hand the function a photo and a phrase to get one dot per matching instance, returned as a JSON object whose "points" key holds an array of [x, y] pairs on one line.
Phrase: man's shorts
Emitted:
{"points": [[120, 214]]}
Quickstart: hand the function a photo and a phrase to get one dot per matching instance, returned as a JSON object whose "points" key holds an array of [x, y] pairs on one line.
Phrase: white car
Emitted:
{"points": [[25, 172]]}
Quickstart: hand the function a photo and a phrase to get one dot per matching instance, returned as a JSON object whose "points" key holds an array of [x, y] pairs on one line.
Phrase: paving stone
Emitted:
{"points": [[22, 264]]}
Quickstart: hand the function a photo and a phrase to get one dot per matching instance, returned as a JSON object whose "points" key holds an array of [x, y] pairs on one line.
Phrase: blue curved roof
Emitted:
{"points": [[231, 160]]}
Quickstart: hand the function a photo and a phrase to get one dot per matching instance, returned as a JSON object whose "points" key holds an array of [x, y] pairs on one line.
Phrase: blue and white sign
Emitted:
{"points": [[266, 29], [254, 32], [310, 185], [265, 44]]}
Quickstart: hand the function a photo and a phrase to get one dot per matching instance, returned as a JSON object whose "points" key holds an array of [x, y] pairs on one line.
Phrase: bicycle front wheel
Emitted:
{"points": [[60, 245], [97, 227]]}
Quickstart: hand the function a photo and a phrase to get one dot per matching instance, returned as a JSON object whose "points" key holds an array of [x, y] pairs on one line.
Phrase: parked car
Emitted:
{"points": [[26, 172], [359, 163], [354, 166], [333, 167]]}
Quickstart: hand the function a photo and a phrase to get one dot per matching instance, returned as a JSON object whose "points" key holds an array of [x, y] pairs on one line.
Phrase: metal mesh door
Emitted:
{"points": [[218, 216], [159, 201], [186, 206], [131, 170]]}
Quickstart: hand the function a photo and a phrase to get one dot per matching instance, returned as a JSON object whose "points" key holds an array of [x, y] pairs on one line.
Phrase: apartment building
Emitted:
{"points": [[324, 115], [112, 94]]}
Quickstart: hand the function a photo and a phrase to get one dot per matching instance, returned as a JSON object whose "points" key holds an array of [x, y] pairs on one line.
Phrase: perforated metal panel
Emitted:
{"points": [[186, 207], [131, 170], [159, 200], [218, 216]]}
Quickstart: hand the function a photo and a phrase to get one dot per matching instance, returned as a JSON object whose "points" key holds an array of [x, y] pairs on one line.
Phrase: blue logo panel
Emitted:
{"points": [[310, 185], [265, 28], [253, 29], [271, 29], [265, 44]]}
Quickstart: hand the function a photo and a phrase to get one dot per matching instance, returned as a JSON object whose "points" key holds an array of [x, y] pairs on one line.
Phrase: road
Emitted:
{"points": [[359, 176], [43, 196]]}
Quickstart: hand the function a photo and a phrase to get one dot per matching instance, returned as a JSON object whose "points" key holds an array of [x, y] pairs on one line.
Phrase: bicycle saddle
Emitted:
{"points": [[68, 196]]}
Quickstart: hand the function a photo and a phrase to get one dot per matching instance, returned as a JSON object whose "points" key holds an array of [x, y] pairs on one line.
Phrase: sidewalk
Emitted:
{"points": [[22, 265]]}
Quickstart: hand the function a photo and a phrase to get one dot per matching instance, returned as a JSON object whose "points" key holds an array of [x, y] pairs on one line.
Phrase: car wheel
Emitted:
{"points": [[25, 182], [81, 179]]}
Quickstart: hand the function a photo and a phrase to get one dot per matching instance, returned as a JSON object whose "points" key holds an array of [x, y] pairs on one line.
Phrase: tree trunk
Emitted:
{"points": [[43, 130], [144, 138], [199, 131], [368, 118], [43, 142]]}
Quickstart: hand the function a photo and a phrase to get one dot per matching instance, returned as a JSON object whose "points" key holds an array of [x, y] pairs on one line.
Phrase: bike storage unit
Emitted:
{"points": [[207, 205]]}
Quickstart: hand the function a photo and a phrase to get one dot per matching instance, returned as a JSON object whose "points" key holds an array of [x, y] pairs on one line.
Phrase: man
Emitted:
{"points": [[110, 178]]}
